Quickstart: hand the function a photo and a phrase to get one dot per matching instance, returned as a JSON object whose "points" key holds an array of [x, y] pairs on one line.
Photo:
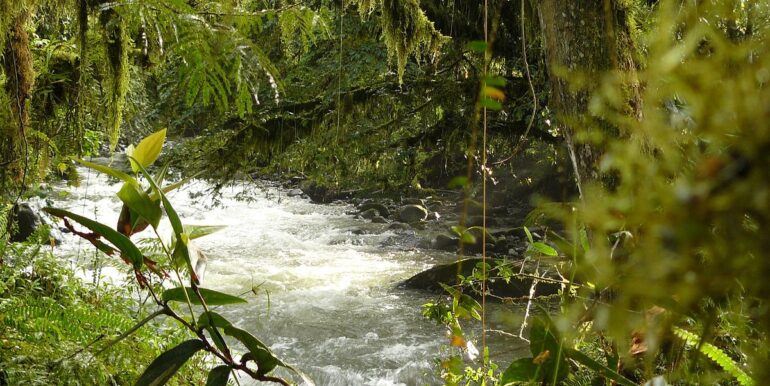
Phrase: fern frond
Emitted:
{"points": [[715, 354]]}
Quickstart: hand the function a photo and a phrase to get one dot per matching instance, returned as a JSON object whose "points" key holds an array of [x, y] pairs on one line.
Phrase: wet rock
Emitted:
{"points": [[27, 218], [413, 201], [26, 221], [295, 193], [369, 214], [447, 273], [412, 213], [397, 226], [445, 243], [379, 220], [381, 209]]}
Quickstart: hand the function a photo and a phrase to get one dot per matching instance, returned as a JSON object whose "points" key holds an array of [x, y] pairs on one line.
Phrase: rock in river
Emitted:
{"points": [[412, 213]]}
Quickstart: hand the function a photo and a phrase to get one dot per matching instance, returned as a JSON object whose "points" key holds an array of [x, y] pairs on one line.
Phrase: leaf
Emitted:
{"points": [[211, 297], [109, 171], [497, 81], [493, 93], [264, 359], [545, 249], [139, 202], [543, 338], [490, 103], [477, 45], [218, 376], [458, 182], [167, 364], [198, 231], [715, 354], [180, 249], [521, 370], [584, 240], [212, 319], [120, 241], [529, 235], [148, 150], [601, 369]]}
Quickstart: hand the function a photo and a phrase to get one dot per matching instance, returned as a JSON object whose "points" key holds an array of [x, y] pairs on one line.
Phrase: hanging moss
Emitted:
{"points": [[408, 32], [117, 81], [19, 81]]}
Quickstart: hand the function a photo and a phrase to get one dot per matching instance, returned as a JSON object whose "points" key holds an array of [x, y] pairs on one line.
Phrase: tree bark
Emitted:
{"points": [[583, 41]]}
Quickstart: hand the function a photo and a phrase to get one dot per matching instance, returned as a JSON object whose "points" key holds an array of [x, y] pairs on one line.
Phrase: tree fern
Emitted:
{"points": [[715, 354]]}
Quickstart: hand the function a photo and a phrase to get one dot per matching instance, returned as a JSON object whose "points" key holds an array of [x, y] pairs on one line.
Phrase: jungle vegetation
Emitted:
{"points": [[657, 111]]}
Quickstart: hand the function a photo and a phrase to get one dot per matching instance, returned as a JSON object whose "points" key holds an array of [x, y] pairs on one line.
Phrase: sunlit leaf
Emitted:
{"points": [[148, 150], [545, 249], [211, 297], [139, 202]]}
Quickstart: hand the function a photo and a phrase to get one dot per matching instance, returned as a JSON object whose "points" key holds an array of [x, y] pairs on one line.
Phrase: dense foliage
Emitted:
{"points": [[658, 109]]}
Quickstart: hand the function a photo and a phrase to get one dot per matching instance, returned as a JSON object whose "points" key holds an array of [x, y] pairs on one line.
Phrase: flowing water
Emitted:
{"points": [[332, 308]]}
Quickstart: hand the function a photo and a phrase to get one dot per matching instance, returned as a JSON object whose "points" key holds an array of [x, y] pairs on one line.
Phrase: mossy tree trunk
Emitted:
{"points": [[584, 41], [20, 79]]}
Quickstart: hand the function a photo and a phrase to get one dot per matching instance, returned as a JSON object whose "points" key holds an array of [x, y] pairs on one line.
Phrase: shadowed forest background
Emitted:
{"points": [[606, 161]]}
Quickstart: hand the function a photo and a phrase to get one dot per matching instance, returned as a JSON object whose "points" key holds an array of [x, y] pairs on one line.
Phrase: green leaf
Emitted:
{"points": [[181, 252], [109, 171], [218, 376], [584, 240], [167, 364], [198, 231], [477, 45], [601, 369], [458, 182], [212, 319], [545, 249], [497, 81], [148, 150], [211, 297], [529, 235], [139, 202], [490, 103], [715, 354], [546, 348], [264, 359], [521, 370], [120, 241]]}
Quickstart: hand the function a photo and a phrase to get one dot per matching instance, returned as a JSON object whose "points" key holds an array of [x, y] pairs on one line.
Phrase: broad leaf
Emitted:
{"points": [[167, 364], [599, 368], [521, 370], [211, 318], [211, 297], [545, 249], [120, 241], [198, 231], [264, 359], [140, 203], [148, 150], [218, 376], [180, 249], [547, 350], [109, 171]]}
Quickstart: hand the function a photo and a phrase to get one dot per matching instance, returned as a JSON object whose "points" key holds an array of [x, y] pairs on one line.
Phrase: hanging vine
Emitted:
{"points": [[117, 57]]}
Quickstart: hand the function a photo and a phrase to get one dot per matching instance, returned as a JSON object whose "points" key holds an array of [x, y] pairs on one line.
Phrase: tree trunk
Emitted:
{"points": [[583, 41]]}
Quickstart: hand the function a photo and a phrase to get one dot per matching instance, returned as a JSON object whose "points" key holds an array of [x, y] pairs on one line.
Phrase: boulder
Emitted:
{"points": [[369, 214], [26, 221], [295, 192], [397, 226], [447, 273], [381, 209], [412, 213], [445, 243], [413, 201], [379, 220]]}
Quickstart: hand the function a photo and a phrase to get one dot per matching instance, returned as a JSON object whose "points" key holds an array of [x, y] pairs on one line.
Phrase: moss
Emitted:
{"points": [[117, 57], [408, 32]]}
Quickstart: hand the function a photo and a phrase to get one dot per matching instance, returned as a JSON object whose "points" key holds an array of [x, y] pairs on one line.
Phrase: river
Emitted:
{"points": [[333, 307]]}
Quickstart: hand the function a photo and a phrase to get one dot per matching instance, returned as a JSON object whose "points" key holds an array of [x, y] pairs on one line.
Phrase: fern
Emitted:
{"points": [[715, 354]]}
